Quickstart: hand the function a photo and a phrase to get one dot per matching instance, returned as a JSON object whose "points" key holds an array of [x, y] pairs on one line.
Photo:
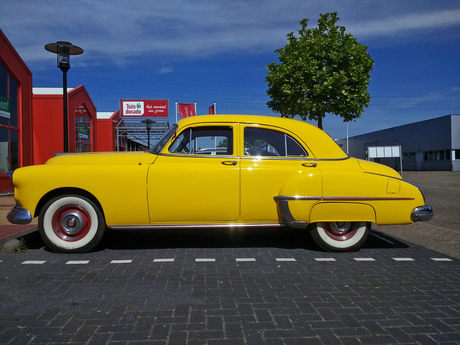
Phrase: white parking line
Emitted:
{"points": [[441, 259], [164, 260], [80, 262], [325, 259], [32, 262], [205, 260], [285, 259], [364, 259], [121, 261], [403, 259], [245, 259]]}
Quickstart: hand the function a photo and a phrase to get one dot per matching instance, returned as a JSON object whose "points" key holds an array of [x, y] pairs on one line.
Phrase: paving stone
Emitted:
{"points": [[125, 297]]}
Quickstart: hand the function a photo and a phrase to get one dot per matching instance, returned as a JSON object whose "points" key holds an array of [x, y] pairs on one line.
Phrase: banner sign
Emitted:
{"points": [[145, 108], [186, 110], [5, 107], [212, 109]]}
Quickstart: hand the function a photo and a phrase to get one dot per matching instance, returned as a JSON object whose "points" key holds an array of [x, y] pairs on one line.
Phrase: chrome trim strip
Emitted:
{"points": [[372, 173], [286, 215], [338, 198], [307, 159], [281, 158], [196, 226], [194, 155], [287, 197]]}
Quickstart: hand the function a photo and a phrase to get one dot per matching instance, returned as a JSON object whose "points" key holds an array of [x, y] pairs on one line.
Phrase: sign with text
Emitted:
{"points": [[145, 108]]}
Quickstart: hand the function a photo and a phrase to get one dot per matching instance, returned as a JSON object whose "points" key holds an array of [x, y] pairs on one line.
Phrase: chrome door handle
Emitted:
{"points": [[229, 162], [310, 164]]}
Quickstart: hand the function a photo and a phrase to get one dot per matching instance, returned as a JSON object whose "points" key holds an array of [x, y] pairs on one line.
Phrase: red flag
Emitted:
{"points": [[186, 110], [212, 109]]}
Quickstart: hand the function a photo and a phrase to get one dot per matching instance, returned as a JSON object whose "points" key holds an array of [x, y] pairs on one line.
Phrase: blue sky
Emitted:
{"points": [[208, 51]]}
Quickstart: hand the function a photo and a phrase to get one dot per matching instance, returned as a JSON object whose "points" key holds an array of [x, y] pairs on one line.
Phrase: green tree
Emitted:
{"points": [[323, 70]]}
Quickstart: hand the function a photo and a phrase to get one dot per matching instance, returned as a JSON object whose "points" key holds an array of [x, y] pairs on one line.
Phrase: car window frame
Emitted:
{"points": [[286, 134], [190, 128]]}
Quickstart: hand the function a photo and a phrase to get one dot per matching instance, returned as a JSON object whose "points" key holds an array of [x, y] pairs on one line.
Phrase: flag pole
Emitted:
{"points": [[176, 111]]}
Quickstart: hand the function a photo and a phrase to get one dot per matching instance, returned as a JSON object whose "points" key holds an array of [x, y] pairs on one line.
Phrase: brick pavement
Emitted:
{"points": [[255, 287]]}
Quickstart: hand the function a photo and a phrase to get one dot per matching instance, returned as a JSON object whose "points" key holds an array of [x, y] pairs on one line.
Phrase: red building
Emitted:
{"points": [[107, 131], [16, 121], [31, 120], [48, 122]]}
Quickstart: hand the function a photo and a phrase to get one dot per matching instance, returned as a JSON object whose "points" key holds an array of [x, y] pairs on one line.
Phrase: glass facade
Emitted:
{"points": [[82, 129], [9, 123]]}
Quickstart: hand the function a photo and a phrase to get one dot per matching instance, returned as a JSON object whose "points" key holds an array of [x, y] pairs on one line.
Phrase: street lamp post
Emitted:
{"points": [[148, 124], [63, 50]]}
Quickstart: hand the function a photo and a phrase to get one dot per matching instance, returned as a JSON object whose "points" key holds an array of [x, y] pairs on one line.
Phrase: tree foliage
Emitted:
{"points": [[323, 70]]}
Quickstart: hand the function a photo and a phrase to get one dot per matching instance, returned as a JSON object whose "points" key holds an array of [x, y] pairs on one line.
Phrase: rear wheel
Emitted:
{"points": [[340, 236], [72, 224]]}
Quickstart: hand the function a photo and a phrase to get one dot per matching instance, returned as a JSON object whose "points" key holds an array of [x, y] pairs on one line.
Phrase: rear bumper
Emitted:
{"points": [[19, 215], [422, 213]]}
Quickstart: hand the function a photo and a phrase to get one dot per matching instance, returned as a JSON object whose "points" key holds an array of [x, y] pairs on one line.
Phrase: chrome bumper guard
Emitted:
{"points": [[19, 215], [422, 213]]}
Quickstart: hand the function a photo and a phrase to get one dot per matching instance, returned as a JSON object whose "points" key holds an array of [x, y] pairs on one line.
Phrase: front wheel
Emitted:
{"points": [[71, 224], [340, 236]]}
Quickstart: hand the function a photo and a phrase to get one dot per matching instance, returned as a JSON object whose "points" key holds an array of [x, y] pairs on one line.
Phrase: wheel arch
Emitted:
{"points": [[67, 191]]}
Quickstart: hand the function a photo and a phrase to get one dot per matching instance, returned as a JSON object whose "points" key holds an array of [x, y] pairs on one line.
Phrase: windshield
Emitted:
{"points": [[163, 140]]}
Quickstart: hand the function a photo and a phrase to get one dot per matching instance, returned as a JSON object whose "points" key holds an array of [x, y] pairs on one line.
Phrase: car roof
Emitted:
{"points": [[318, 141]]}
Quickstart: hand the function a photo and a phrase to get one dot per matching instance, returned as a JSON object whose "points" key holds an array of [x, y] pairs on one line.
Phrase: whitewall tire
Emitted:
{"points": [[71, 223], [340, 236]]}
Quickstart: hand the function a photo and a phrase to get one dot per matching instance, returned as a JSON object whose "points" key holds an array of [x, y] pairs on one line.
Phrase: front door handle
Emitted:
{"points": [[310, 164], [229, 162]]}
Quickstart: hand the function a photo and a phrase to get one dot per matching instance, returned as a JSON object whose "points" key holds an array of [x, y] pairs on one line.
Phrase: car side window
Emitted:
{"points": [[205, 140], [268, 142]]}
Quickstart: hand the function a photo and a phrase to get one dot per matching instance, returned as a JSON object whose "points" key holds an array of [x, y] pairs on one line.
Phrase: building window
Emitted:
{"points": [[82, 130], [9, 129], [409, 157], [456, 154]]}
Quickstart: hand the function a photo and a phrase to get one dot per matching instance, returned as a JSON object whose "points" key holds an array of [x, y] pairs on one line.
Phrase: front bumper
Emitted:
{"points": [[19, 215], [422, 213]]}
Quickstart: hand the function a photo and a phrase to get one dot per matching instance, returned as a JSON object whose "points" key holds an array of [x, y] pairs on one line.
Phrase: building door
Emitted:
{"points": [[418, 161]]}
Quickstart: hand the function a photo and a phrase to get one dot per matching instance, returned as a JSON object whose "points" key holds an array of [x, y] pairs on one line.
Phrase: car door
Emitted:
{"points": [[196, 178], [275, 163]]}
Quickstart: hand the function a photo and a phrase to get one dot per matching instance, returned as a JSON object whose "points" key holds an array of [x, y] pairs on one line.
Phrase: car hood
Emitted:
{"points": [[102, 158]]}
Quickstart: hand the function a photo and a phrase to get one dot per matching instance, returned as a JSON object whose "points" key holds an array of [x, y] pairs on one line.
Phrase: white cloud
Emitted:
{"points": [[120, 30]]}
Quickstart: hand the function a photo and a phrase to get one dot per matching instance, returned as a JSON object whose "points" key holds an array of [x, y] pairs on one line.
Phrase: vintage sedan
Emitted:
{"points": [[216, 171]]}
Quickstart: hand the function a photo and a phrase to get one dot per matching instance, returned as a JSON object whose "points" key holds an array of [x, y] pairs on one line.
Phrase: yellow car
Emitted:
{"points": [[216, 171]]}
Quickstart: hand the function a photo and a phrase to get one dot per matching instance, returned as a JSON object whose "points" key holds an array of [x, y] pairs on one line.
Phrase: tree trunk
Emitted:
{"points": [[320, 121]]}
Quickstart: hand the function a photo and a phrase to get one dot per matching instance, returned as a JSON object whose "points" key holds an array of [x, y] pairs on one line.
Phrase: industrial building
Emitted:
{"points": [[425, 145]]}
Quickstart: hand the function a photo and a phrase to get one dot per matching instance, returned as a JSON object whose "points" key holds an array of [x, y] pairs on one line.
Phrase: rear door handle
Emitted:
{"points": [[310, 164], [229, 162]]}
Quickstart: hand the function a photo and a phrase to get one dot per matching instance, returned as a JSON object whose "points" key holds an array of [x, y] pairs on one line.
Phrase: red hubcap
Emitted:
{"points": [[71, 222]]}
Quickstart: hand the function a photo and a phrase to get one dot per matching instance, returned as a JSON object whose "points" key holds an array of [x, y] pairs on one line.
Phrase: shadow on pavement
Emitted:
{"points": [[215, 238]]}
